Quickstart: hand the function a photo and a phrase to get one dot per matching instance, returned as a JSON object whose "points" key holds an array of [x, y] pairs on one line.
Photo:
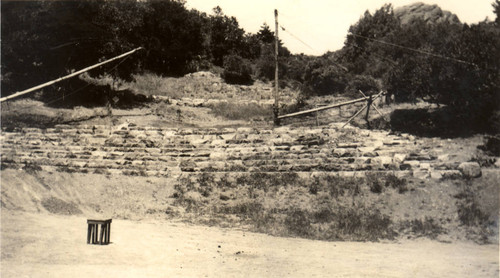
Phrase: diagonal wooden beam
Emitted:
{"points": [[355, 115], [361, 110], [374, 106], [322, 108]]}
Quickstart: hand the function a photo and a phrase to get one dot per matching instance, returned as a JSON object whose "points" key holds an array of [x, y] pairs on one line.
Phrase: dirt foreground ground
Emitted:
{"points": [[45, 245]]}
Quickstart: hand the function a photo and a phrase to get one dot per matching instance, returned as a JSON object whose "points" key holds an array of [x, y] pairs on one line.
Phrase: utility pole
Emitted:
{"points": [[276, 89]]}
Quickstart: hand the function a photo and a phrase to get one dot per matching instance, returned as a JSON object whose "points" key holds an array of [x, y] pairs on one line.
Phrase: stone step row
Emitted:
{"points": [[304, 172], [201, 163], [131, 145], [319, 156], [158, 141], [70, 131], [175, 137]]}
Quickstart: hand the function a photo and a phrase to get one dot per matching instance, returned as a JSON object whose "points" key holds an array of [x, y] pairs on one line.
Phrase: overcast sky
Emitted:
{"points": [[323, 24]]}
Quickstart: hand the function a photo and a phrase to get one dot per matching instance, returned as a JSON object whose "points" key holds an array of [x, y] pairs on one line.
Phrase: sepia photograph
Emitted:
{"points": [[264, 138]]}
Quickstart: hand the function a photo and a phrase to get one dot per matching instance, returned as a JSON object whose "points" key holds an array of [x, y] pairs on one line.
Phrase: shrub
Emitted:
{"points": [[237, 70], [338, 186], [204, 185], [323, 79], [396, 183], [315, 186], [266, 181], [324, 215], [470, 214], [298, 223], [367, 84], [359, 223], [225, 183], [377, 183], [31, 167], [376, 187], [424, 228], [58, 206], [247, 209]]}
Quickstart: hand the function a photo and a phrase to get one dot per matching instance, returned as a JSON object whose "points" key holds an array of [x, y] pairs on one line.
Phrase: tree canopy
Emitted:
{"points": [[42, 40], [441, 61]]}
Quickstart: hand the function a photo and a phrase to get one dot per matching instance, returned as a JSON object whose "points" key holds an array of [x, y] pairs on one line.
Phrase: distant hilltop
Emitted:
{"points": [[429, 13]]}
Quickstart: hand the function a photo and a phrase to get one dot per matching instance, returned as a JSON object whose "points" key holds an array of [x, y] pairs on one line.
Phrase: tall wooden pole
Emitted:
{"points": [[276, 84]]}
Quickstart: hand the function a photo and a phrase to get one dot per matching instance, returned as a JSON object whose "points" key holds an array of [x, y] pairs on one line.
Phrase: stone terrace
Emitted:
{"points": [[169, 152]]}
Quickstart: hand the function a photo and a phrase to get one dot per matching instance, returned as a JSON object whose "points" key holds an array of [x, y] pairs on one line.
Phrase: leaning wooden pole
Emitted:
{"points": [[276, 84], [66, 77], [368, 103], [322, 108], [328, 107]]}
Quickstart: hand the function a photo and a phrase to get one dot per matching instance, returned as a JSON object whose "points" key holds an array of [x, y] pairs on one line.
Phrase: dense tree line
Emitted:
{"points": [[447, 63], [42, 40]]}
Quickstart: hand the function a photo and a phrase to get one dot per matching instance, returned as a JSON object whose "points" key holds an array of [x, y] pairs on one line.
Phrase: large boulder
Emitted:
{"points": [[470, 169]]}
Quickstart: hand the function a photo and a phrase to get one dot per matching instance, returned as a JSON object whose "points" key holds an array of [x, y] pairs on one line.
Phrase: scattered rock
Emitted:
{"points": [[420, 174], [382, 160], [451, 174], [399, 158], [443, 157], [425, 166], [366, 149], [470, 169], [347, 145], [436, 175], [409, 165]]}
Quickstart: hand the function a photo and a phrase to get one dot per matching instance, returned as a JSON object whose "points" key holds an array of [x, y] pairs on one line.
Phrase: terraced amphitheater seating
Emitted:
{"points": [[146, 151]]}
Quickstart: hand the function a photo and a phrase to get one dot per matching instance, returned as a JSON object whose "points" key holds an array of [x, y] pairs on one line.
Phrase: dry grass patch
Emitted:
{"points": [[241, 111]]}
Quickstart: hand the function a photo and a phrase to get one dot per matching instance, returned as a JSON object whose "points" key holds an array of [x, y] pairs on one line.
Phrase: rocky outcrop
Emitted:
{"points": [[429, 13]]}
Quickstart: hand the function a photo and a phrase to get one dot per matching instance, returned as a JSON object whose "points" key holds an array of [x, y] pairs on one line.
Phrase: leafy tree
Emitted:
{"points": [[225, 36], [365, 83], [44, 40], [265, 35], [237, 70], [324, 76], [295, 65], [496, 10], [252, 47], [360, 54], [266, 65], [172, 35]]}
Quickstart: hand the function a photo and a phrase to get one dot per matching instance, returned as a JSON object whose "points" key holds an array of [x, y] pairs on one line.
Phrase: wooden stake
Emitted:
{"points": [[368, 104], [374, 106], [276, 84]]}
